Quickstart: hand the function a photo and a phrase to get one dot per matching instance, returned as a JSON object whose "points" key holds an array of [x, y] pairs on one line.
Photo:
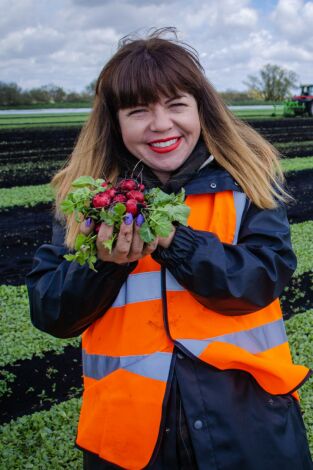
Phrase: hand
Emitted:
{"points": [[129, 246], [165, 242]]}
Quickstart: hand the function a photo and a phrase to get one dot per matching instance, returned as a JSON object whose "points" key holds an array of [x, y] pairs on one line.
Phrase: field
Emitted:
{"points": [[41, 375]]}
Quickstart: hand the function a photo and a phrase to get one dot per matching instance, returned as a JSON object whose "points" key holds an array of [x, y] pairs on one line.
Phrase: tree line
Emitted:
{"points": [[272, 83]]}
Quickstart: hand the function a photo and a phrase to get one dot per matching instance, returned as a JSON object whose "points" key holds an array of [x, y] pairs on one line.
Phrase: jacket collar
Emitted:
{"points": [[211, 179]]}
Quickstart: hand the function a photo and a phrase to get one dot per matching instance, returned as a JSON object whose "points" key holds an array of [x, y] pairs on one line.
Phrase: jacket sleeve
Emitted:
{"points": [[234, 279], [65, 298]]}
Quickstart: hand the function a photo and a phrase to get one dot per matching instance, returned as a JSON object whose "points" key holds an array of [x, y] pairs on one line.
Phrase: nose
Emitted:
{"points": [[160, 119]]}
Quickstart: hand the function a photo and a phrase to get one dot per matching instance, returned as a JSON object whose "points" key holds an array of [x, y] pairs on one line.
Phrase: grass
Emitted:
{"points": [[26, 196], [43, 440], [20, 340], [14, 121], [296, 164], [288, 145], [302, 241]]}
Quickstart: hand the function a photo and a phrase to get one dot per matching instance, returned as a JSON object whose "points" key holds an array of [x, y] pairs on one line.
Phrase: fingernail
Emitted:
{"points": [[140, 220], [128, 218], [88, 222]]}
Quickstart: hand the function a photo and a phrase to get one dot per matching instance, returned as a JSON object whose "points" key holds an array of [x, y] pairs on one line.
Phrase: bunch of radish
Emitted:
{"points": [[100, 201]]}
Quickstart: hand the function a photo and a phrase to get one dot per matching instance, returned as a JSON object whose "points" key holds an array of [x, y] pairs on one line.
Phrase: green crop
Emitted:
{"points": [[42, 440], [297, 164], [19, 338], [26, 196], [302, 241]]}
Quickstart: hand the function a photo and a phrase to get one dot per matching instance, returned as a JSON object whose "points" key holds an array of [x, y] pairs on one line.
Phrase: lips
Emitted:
{"points": [[165, 145]]}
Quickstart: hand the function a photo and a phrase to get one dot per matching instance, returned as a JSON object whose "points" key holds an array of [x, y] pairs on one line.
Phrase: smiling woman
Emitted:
{"points": [[185, 357], [170, 128]]}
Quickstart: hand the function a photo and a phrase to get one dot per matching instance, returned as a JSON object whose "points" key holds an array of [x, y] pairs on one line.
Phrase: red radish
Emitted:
{"points": [[135, 195], [101, 200], [141, 187], [120, 198], [97, 228], [112, 192], [131, 206], [105, 184], [128, 185]]}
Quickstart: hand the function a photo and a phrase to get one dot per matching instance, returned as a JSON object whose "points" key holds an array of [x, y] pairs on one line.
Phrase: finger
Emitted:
{"points": [[136, 245], [105, 232], [87, 226], [124, 238]]}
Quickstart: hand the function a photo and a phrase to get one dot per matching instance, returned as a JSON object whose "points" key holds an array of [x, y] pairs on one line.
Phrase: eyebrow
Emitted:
{"points": [[175, 98]]}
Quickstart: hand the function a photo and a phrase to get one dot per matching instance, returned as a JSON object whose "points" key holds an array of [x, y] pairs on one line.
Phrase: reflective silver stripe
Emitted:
{"points": [[240, 202], [154, 366], [144, 286], [256, 340]]}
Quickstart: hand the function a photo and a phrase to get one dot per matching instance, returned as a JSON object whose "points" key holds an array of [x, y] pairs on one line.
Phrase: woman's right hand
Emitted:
{"points": [[128, 247]]}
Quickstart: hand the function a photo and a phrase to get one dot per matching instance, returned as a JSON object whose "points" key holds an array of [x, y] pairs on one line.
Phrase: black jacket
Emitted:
{"points": [[221, 419]]}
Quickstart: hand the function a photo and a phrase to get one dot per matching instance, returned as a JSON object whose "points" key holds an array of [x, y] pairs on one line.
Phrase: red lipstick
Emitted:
{"points": [[166, 149]]}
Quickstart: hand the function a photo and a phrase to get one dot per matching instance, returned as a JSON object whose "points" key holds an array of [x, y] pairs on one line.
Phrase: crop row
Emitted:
{"points": [[36, 172], [42, 144]]}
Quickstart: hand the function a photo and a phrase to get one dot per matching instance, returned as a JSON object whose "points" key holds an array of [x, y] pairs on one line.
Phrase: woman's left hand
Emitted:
{"points": [[165, 242]]}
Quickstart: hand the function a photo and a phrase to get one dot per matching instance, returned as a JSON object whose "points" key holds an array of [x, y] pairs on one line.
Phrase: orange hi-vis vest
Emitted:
{"points": [[127, 353]]}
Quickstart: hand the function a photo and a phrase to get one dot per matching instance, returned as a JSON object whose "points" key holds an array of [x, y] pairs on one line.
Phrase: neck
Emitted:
{"points": [[163, 176]]}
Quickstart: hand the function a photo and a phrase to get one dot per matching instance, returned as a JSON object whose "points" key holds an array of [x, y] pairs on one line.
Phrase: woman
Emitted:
{"points": [[185, 358]]}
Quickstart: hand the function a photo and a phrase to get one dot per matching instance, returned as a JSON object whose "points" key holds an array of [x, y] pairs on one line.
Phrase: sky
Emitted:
{"points": [[67, 42]]}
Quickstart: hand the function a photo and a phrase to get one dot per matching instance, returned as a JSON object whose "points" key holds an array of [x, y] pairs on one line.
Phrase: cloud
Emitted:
{"points": [[294, 20], [67, 42]]}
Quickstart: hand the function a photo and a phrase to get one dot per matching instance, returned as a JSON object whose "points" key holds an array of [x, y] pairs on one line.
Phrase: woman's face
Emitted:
{"points": [[162, 135]]}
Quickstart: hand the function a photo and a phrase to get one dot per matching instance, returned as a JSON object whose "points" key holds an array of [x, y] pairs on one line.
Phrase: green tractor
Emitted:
{"points": [[300, 104]]}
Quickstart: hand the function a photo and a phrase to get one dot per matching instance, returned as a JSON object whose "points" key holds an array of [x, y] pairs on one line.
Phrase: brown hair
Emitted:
{"points": [[138, 73]]}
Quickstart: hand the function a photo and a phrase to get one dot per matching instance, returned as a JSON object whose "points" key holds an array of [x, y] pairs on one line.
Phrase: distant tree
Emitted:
{"points": [[39, 95], [233, 96], [10, 94], [56, 93], [273, 83], [91, 88], [73, 97]]}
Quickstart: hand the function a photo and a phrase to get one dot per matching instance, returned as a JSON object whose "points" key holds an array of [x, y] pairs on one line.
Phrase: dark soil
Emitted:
{"points": [[25, 145], [42, 382], [22, 231], [284, 130]]}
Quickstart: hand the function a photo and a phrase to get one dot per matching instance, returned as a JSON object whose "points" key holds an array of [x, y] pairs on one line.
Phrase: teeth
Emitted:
{"points": [[164, 144]]}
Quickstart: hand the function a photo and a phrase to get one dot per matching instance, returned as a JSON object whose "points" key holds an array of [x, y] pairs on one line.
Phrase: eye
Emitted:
{"points": [[136, 111], [178, 104]]}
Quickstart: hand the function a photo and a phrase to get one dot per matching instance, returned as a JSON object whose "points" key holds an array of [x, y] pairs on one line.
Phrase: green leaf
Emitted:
{"points": [[84, 181], [80, 240], [119, 209], [156, 196], [69, 257], [180, 197], [67, 206], [145, 233], [109, 243], [179, 213], [163, 228], [107, 217]]}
